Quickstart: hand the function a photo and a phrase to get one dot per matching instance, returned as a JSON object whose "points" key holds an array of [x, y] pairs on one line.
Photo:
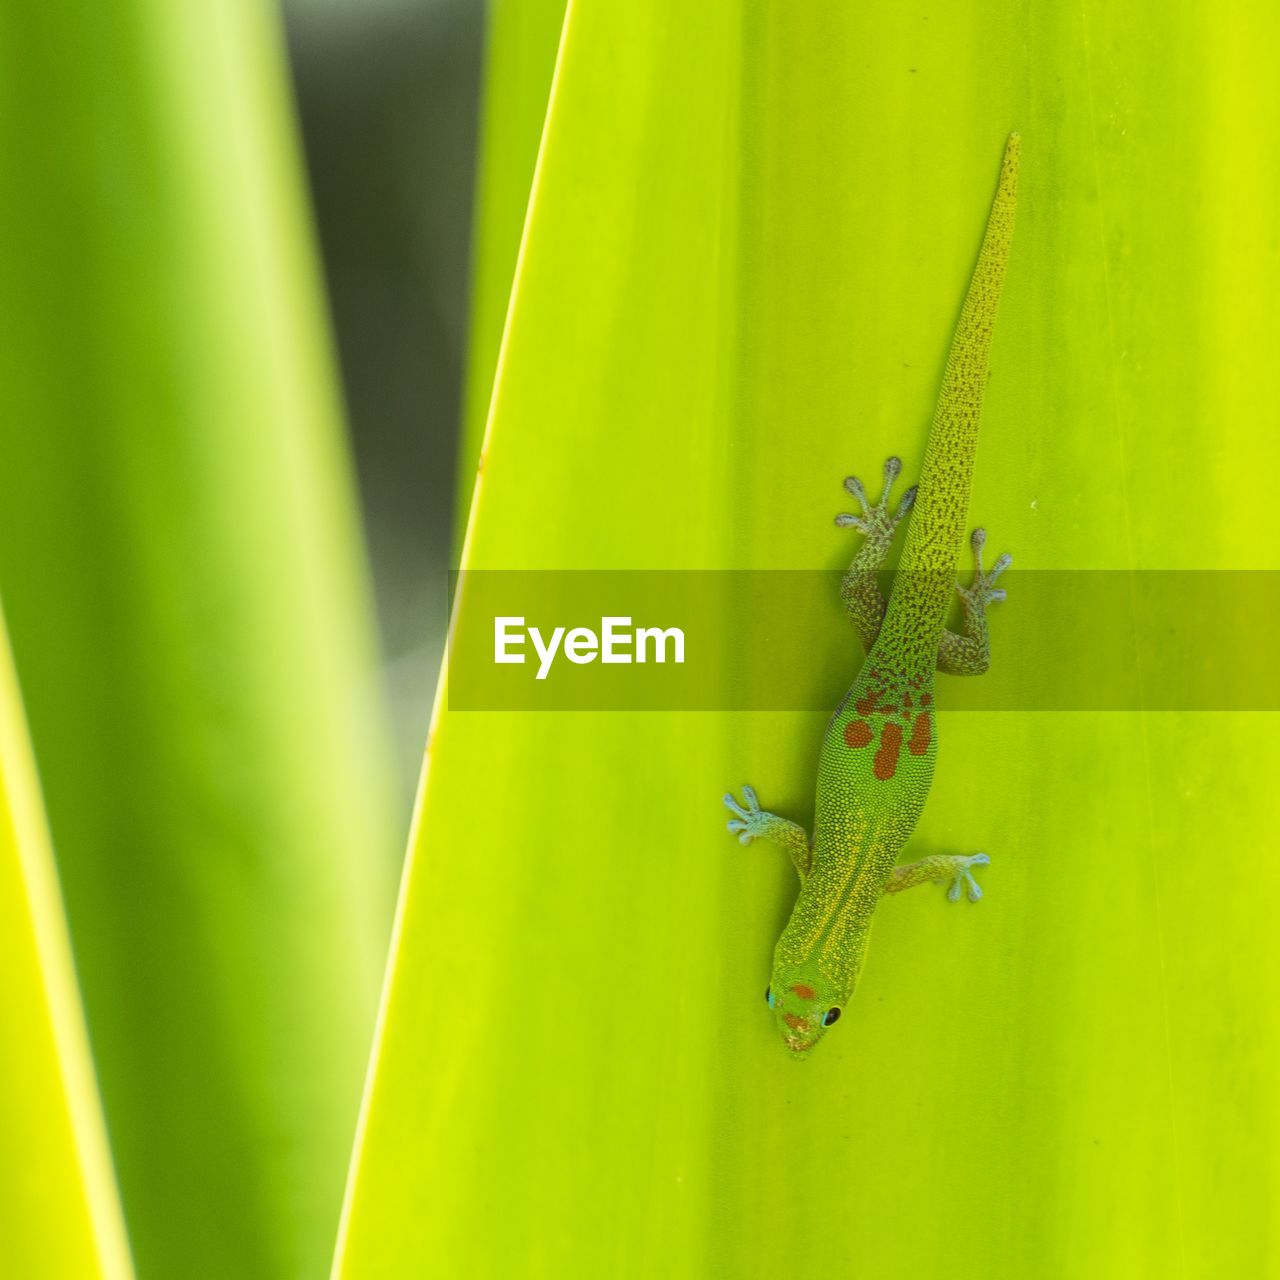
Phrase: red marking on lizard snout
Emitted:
{"points": [[795, 1022], [804, 992], [886, 761], [857, 733], [920, 735]]}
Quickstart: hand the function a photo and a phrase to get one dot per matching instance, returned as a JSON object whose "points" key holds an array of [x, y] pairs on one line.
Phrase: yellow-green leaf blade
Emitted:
{"points": [[59, 1215], [520, 48], [746, 250]]}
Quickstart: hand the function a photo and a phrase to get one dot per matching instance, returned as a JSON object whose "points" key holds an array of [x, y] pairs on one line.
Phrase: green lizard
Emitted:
{"points": [[880, 746]]}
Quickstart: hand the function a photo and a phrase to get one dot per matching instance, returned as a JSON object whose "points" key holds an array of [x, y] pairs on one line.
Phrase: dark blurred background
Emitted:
{"points": [[387, 94]]}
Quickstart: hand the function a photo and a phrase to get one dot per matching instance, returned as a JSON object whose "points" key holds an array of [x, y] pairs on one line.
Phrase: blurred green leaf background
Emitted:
{"points": [[255, 342], [182, 570]]}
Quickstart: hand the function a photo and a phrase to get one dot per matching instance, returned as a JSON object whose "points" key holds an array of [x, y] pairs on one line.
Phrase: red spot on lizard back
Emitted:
{"points": [[865, 703], [857, 733], [886, 761], [920, 735]]}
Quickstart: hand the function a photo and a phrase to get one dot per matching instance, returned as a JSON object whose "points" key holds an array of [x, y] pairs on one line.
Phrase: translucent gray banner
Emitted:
{"points": [[709, 640]]}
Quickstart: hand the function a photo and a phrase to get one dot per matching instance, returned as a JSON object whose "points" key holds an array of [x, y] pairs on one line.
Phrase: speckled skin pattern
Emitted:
{"points": [[878, 754]]}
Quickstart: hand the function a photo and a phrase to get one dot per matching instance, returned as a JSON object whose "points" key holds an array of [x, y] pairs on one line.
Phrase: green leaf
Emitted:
{"points": [[523, 36], [59, 1215], [748, 240], [182, 572]]}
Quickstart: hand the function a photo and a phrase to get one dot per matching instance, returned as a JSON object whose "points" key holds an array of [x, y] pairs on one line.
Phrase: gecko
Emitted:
{"points": [[878, 753]]}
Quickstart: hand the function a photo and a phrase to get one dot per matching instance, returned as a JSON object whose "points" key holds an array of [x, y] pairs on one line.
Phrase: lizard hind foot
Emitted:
{"points": [[877, 520], [982, 591], [964, 881]]}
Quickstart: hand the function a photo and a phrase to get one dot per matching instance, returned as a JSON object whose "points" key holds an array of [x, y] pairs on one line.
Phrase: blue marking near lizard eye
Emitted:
{"points": [[768, 996], [832, 1015]]}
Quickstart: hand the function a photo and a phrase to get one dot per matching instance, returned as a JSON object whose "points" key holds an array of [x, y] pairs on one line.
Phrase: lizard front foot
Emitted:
{"points": [[752, 822], [964, 877], [877, 521], [982, 591]]}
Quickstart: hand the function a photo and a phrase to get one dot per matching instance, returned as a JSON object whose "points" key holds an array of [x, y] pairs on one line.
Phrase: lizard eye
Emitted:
{"points": [[831, 1016], [768, 996]]}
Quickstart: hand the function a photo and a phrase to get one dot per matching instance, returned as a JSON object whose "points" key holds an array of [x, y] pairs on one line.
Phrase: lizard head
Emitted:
{"points": [[805, 1005]]}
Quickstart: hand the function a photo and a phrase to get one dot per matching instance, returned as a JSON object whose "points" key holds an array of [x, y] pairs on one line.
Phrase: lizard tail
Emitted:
{"points": [[937, 523]]}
